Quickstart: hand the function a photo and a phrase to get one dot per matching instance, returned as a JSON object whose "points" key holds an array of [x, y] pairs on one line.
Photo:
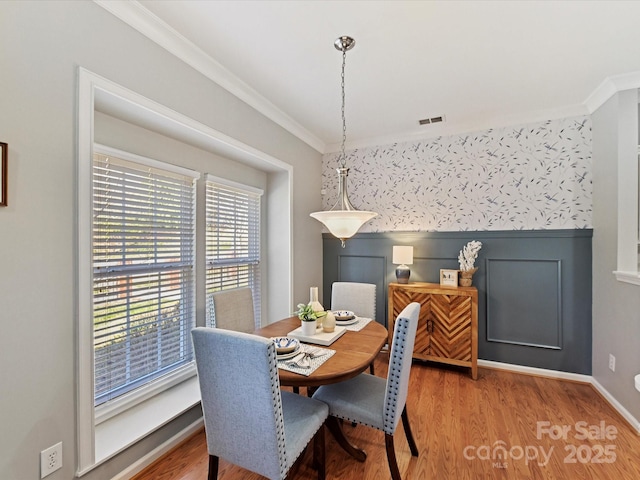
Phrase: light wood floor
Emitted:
{"points": [[459, 426]]}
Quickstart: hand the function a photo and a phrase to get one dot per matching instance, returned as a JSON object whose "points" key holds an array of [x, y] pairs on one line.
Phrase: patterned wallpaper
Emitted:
{"points": [[529, 177]]}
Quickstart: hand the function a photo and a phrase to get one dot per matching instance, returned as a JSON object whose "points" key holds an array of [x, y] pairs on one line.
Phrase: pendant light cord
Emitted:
{"points": [[343, 160]]}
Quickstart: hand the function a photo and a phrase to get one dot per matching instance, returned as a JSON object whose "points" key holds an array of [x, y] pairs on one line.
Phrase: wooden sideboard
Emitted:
{"points": [[448, 323]]}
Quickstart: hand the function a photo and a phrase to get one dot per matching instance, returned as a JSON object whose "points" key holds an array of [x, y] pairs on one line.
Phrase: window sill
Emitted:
{"points": [[628, 277], [130, 400], [120, 431]]}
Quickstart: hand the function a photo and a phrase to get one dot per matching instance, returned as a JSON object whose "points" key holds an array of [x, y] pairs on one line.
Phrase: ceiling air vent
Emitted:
{"points": [[427, 121]]}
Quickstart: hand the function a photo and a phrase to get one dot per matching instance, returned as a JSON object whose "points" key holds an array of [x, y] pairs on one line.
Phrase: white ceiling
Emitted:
{"points": [[481, 64]]}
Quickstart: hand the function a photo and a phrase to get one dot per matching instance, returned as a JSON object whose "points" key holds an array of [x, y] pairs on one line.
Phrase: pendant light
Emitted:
{"points": [[343, 220]]}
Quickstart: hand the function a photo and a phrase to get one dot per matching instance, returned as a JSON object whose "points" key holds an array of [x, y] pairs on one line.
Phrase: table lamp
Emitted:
{"points": [[402, 256]]}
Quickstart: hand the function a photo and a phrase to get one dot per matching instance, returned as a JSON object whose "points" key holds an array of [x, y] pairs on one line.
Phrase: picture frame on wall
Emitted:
{"points": [[3, 173], [448, 278]]}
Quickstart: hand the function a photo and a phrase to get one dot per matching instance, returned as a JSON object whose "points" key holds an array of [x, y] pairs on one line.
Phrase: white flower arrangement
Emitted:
{"points": [[467, 256]]}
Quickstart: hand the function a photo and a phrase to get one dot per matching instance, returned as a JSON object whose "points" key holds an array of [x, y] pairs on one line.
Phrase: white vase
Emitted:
{"points": [[329, 322], [308, 327], [315, 304]]}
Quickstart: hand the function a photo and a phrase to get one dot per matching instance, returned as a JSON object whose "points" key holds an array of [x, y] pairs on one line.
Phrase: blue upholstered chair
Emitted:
{"points": [[359, 298], [233, 310], [248, 420], [377, 402]]}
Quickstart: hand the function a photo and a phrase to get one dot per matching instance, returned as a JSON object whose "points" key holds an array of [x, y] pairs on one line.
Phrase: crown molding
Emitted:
{"points": [[142, 20], [609, 87]]}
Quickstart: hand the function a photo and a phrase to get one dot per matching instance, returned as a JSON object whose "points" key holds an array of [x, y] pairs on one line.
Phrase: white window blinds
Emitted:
{"points": [[143, 270], [232, 239]]}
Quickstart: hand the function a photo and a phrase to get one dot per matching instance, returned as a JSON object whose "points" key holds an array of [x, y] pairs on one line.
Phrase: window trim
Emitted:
{"points": [[231, 184], [156, 386], [627, 270]]}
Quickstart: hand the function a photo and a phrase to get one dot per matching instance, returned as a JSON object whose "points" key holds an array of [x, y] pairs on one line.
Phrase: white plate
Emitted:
{"points": [[347, 322], [285, 344], [346, 315], [287, 356]]}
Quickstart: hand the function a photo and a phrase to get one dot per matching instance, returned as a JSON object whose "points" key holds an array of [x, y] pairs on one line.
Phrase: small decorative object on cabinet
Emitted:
{"points": [[448, 278], [402, 256], [467, 258], [448, 323]]}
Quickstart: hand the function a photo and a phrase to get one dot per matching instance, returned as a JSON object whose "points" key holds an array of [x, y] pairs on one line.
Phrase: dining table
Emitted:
{"points": [[355, 351]]}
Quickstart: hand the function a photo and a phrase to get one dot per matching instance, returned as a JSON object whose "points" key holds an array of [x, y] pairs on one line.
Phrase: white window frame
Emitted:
{"points": [[628, 260], [110, 428], [254, 258], [130, 399], [96, 445]]}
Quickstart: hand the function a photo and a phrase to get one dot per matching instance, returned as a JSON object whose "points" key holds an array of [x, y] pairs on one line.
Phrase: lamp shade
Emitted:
{"points": [[343, 224], [402, 255]]}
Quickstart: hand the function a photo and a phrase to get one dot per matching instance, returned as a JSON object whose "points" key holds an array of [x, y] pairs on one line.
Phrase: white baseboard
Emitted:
{"points": [[542, 372], [159, 451], [574, 377], [635, 424]]}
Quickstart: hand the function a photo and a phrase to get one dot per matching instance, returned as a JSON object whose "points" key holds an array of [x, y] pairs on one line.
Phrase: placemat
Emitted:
{"points": [[359, 325], [325, 355]]}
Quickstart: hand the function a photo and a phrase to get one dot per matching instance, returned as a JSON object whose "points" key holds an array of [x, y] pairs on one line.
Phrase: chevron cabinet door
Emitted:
{"points": [[448, 325]]}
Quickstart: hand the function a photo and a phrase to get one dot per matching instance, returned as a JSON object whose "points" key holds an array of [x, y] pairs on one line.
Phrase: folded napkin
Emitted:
{"points": [[303, 359]]}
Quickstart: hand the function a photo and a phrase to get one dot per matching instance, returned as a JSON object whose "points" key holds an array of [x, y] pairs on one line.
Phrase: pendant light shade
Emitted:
{"points": [[343, 224], [343, 220]]}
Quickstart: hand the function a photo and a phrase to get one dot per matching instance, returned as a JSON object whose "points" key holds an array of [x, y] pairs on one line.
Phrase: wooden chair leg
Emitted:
{"points": [[296, 390], [371, 370], [334, 427], [407, 432], [213, 467], [391, 457], [319, 453]]}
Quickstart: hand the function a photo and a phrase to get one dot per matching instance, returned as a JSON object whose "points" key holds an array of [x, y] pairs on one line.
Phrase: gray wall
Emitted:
{"points": [[534, 287], [43, 44], [616, 321]]}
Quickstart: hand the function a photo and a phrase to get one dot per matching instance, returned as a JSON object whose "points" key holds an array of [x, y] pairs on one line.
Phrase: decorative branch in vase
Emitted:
{"points": [[467, 259]]}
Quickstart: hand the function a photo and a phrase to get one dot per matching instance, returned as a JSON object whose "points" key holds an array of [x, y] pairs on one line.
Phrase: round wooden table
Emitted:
{"points": [[354, 353]]}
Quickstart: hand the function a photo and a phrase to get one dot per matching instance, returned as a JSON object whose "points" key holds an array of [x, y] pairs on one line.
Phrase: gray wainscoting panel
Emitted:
{"points": [[524, 301], [534, 287]]}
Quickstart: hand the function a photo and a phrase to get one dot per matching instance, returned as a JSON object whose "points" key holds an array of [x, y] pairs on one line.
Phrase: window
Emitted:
{"points": [[628, 262], [143, 266], [232, 239], [115, 425]]}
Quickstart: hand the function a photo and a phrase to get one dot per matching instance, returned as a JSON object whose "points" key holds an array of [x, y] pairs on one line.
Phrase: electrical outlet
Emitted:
{"points": [[50, 459], [612, 363]]}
